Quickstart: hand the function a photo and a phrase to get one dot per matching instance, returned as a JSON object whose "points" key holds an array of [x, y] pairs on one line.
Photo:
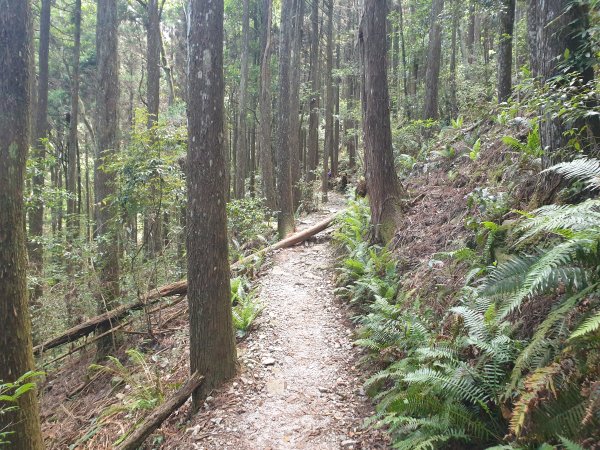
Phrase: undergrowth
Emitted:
{"points": [[515, 363]]}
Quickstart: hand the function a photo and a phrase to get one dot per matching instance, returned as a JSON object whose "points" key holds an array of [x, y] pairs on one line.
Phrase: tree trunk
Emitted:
{"points": [[507, 21], [295, 103], [108, 144], [36, 213], [153, 223], [556, 27], [285, 223], [336, 109], [455, 20], [16, 357], [212, 342], [382, 183], [434, 55], [242, 128], [313, 122], [72, 156], [328, 150], [266, 154]]}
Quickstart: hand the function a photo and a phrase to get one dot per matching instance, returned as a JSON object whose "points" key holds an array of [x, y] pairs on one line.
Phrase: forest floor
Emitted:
{"points": [[298, 385]]}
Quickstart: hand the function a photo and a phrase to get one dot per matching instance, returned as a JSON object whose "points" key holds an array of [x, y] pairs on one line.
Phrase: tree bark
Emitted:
{"points": [[434, 55], [313, 123], [266, 153], [107, 102], [153, 223], [555, 27], [382, 182], [36, 213], [285, 223], [72, 156], [295, 103], [507, 22], [242, 127], [329, 102], [16, 357], [212, 342]]}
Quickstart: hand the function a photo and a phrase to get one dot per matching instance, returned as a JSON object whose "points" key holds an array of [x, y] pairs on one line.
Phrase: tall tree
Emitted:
{"points": [[36, 213], [285, 222], [73, 143], [153, 224], [295, 157], [313, 124], [329, 102], [266, 155], [212, 343], [107, 101], [73, 153], [16, 356], [242, 126], [507, 23], [383, 187], [434, 56]]}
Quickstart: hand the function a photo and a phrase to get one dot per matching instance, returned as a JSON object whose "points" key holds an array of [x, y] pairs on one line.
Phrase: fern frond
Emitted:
{"points": [[539, 340], [585, 169], [590, 325]]}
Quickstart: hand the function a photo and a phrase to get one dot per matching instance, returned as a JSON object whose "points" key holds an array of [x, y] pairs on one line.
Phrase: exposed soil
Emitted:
{"points": [[298, 384]]}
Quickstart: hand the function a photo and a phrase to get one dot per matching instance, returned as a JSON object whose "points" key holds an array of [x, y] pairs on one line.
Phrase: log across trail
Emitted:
{"points": [[113, 317]]}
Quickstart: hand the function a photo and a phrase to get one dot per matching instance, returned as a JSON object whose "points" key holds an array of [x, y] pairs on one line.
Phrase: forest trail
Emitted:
{"points": [[298, 386]]}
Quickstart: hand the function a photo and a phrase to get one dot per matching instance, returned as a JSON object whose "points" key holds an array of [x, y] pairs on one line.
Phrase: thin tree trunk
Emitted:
{"points": [[313, 124], [266, 154], [72, 156], [16, 356], [212, 343], [434, 55], [153, 230], [383, 187], [295, 103], [455, 20], [242, 128], [284, 176], [328, 151], [36, 214], [108, 144], [507, 22]]}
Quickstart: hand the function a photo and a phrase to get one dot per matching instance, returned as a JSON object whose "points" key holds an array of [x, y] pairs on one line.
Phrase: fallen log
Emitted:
{"points": [[110, 317], [179, 288], [154, 420]]}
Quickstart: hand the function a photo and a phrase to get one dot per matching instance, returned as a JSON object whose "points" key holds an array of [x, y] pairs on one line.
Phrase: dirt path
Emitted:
{"points": [[298, 386]]}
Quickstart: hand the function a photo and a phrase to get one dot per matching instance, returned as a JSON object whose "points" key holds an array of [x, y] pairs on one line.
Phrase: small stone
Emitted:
{"points": [[268, 361], [349, 443]]}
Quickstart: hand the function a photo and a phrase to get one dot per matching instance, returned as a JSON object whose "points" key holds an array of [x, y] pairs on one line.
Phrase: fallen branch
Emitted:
{"points": [[110, 317], [154, 420], [179, 288], [106, 333]]}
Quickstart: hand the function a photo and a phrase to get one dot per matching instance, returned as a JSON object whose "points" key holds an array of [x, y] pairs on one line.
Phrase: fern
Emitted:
{"points": [[589, 326], [587, 170]]}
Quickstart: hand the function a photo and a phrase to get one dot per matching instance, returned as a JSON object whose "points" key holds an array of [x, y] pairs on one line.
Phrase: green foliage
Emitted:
{"points": [[365, 273], [9, 396], [245, 306], [493, 374], [249, 225], [142, 388], [474, 153], [532, 147]]}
